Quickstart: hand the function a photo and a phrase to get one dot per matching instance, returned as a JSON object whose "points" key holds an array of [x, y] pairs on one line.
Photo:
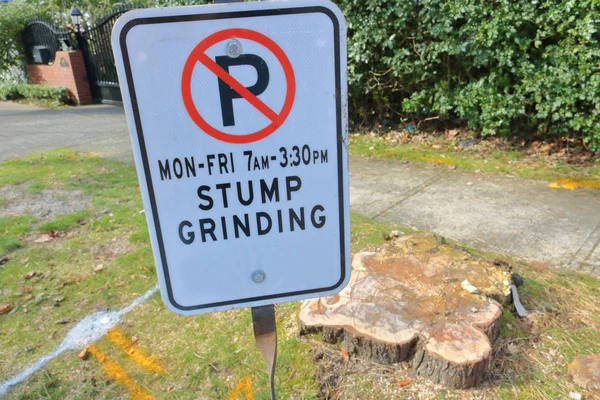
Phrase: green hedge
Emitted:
{"points": [[16, 91], [505, 67]]}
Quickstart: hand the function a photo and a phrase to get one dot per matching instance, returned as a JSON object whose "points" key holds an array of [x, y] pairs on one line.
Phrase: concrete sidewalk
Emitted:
{"points": [[519, 217]]}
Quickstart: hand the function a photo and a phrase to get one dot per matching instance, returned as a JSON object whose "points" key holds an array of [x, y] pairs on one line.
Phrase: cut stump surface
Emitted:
{"points": [[420, 301]]}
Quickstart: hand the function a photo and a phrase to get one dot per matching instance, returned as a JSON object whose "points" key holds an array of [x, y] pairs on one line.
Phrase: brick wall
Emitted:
{"points": [[68, 70]]}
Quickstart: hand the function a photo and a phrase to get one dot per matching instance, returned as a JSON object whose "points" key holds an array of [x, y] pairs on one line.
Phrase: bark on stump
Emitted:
{"points": [[419, 301]]}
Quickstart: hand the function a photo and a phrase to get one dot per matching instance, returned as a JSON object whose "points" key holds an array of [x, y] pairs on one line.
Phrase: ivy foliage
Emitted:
{"points": [[505, 67]]}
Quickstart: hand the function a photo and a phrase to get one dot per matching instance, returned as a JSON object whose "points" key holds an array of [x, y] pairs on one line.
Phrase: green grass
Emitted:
{"points": [[496, 161], [11, 230], [206, 356], [8, 244], [65, 222], [367, 232]]}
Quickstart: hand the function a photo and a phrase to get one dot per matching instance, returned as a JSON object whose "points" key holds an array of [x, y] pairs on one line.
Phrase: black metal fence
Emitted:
{"points": [[42, 40], [100, 62]]}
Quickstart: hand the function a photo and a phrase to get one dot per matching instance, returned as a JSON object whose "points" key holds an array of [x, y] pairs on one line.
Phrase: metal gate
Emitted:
{"points": [[42, 39], [100, 63]]}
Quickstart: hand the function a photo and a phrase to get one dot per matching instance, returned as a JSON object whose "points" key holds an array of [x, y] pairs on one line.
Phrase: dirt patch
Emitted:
{"points": [[114, 248], [16, 200]]}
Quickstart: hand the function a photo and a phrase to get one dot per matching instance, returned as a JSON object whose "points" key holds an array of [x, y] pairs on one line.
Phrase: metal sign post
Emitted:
{"points": [[265, 334]]}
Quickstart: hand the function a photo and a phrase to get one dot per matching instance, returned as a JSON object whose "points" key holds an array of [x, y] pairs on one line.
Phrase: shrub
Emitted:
{"points": [[16, 91], [13, 16], [506, 67]]}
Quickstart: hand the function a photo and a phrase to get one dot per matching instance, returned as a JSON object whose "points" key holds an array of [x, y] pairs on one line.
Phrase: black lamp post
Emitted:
{"points": [[76, 17]]}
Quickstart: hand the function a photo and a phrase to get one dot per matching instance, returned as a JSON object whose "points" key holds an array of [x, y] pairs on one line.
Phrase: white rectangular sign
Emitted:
{"points": [[237, 116]]}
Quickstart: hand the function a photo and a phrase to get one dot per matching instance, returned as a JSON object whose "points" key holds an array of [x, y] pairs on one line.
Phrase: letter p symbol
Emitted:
{"points": [[227, 94]]}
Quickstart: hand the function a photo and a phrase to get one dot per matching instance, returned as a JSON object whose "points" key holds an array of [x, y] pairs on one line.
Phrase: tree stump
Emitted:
{"points": [[417, 300]]}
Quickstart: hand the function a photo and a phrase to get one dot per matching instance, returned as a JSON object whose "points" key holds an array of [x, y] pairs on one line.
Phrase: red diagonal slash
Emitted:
{"points": [[238, 87], [198, 55]]}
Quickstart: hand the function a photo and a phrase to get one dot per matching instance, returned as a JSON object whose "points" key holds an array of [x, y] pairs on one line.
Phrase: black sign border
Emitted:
{"points": [[142, 144]]}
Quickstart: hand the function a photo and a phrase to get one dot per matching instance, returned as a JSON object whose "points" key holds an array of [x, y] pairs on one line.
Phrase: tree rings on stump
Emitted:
{"points": [[417, 300]]}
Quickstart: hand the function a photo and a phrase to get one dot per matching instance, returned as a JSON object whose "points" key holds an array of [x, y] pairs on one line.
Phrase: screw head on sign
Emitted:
{"points": [[258, 276], [233, 48]]}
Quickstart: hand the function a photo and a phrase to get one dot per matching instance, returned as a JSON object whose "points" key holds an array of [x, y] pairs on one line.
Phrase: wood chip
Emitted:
{"points": [[85, 353], [4, 308], [403, 382]]}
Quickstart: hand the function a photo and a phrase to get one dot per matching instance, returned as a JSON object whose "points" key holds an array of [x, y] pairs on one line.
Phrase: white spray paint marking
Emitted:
{"points": [[87, 331]]}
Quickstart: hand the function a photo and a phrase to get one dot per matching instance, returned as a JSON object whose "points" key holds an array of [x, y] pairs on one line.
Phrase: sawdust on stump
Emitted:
{"points": [[585, 371], [419, 301]]}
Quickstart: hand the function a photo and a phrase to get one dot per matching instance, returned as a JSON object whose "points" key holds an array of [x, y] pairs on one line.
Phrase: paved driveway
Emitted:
{"points": [[100, 129]]}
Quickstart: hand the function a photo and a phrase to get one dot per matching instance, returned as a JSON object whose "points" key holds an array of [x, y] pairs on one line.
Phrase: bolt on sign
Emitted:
{"points": [[237, 116]]}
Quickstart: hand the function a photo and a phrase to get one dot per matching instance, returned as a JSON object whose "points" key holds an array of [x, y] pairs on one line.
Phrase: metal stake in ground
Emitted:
{"points": [[265, 333]]}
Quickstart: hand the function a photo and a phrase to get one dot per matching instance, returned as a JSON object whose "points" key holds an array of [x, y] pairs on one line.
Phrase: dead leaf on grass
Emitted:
{"points": [[28, 297], [69, 281], [528, 323], [345, 354], [4, 308], [26, 289], [29, 275], [511, 349], [56, 234], [43, 238], [451, 133], [99, 268], [71, 234]]}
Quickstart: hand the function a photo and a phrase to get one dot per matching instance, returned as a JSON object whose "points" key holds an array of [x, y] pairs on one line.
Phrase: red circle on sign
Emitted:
{"points": [[199, 55]]}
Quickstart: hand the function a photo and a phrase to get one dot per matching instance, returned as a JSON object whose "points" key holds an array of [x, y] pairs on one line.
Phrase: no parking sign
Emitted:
{"points": [[237, 116]]}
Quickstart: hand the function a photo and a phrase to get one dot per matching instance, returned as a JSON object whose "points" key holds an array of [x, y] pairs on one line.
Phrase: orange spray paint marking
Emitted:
{"points": [[128, 347], [117, 372], [572, 184], [436, 160], [245, 386]]}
